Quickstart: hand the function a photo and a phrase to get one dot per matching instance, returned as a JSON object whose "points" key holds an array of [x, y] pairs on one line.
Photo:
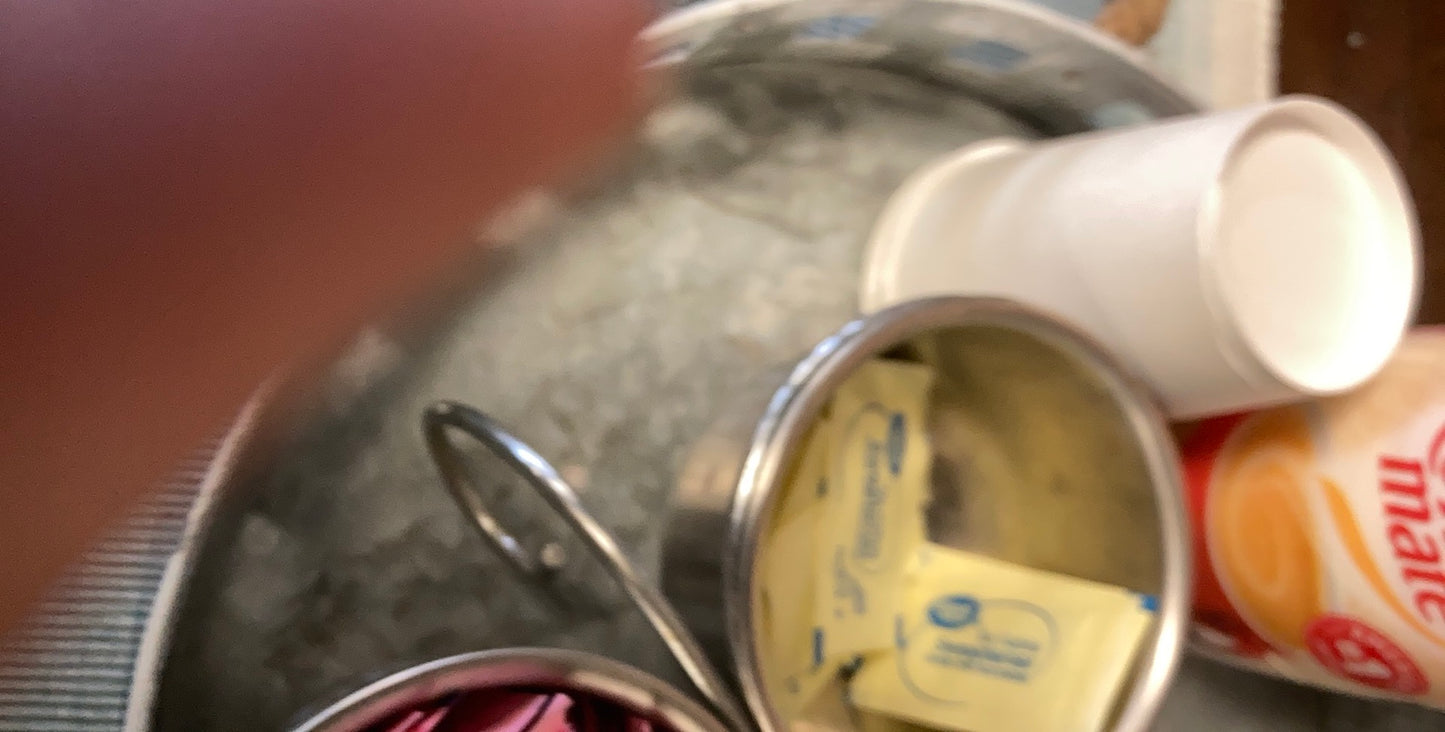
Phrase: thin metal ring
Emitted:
{"points": [[542, 477]]}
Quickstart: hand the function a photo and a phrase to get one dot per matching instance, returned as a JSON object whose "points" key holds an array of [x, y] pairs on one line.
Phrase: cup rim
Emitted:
{"points": [[1251, 359]]}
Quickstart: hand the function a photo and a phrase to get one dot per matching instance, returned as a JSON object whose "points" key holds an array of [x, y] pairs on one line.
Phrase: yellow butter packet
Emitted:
{"points": [[828, 711], [869, 722], [877, 482], [988, 646], [796, 651], [794, 647], [808, 483]]}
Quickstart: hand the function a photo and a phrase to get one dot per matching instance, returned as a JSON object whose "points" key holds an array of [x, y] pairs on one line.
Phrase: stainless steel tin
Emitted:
{"points": [[524, 667], [1097, 492], [1046, 67]]}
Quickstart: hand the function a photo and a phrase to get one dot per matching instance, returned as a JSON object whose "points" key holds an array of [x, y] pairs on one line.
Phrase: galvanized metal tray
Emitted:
{"points": [[724, 245], [605, 330]]}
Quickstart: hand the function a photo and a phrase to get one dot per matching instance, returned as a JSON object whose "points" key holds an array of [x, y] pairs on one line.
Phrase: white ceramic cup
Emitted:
{"points": [[1235, 259]]}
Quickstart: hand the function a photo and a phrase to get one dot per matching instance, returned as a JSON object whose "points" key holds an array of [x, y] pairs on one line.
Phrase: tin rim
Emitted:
{"points": [[798, 402], [571, 670]]}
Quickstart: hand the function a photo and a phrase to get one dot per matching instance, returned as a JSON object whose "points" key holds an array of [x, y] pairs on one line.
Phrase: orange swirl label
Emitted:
{"points": [[1258, 531], [1320, 532]]}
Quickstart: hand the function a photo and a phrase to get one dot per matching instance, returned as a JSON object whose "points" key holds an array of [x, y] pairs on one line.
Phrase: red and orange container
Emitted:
{"points": [[1320, 533]]}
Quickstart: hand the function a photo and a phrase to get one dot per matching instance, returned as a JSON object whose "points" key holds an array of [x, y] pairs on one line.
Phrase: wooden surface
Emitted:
{"points": [[1384, 59]]}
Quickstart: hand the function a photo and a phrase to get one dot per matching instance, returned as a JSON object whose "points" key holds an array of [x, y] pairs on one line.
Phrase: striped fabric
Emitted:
{"points": [[68, 668]]}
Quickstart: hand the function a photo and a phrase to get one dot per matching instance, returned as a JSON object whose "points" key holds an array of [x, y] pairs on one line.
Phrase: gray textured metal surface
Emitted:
{"points": [[726, 248], [724, 245]]}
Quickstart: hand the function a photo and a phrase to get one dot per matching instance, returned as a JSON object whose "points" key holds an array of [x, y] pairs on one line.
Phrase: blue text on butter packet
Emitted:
{"points": [[987, 646], [878, 464]]}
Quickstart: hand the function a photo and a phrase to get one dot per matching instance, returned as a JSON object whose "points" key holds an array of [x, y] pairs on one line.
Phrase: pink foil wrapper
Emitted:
{"points": [[514, 710]]}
